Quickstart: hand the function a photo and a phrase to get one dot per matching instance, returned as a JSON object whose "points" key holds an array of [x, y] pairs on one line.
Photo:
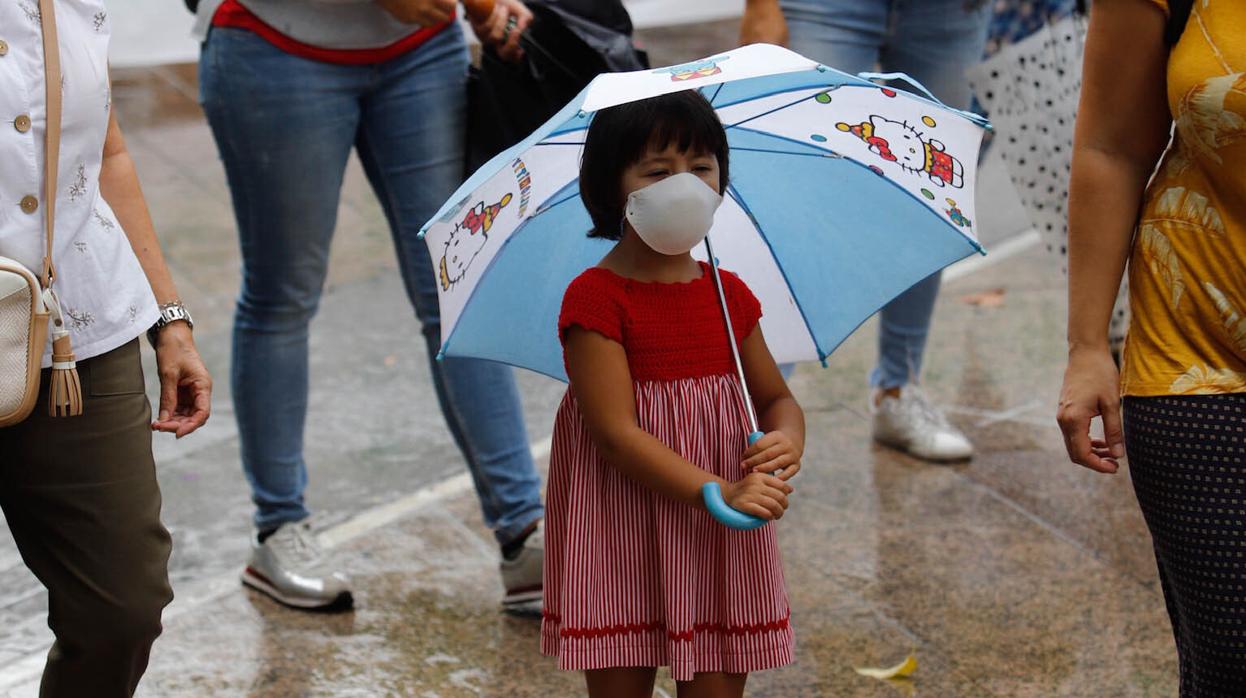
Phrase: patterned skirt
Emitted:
{"points": [[635, 579], [1187, 458]]}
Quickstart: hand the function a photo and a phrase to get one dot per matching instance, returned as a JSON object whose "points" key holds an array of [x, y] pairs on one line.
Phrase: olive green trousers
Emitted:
{"points": [[81, 500]]}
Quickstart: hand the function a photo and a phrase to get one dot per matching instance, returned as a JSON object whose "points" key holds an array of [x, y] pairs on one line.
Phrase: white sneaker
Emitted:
{"points": [[522, 574], [289, 567], [911, 424]]}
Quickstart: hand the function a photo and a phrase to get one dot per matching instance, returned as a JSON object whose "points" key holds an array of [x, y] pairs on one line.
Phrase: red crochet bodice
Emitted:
{"points": [[669, 331]]}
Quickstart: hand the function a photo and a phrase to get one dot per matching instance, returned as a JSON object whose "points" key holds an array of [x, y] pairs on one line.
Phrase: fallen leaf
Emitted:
{"points": [[903, 669], [986, 299]]}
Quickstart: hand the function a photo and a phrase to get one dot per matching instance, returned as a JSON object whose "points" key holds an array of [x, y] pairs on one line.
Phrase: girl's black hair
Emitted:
{"points": [[619, 136]]}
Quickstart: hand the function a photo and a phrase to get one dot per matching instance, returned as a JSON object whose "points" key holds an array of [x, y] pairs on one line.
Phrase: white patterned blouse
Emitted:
{"points": [[104, 292]]}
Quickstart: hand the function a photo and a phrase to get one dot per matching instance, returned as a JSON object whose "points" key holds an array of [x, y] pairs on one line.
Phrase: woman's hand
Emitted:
{"points": [[501, 30], [763, 23], [1092, 389], [185, 386], [425, 13], [759, 494], [774, 451]]}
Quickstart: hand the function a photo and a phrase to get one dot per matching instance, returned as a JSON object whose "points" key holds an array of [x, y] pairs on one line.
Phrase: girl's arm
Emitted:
{"points": [[602, 384], [1122, 127], [778, 415], [185, 386]]}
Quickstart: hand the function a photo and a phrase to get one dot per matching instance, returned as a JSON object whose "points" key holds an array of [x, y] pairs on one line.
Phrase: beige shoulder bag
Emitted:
{"points": [[28, 305]]}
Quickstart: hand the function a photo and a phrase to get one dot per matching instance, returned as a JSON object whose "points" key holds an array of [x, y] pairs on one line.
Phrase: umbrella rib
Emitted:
{"points": [[837, 156], [772, 111], [739, 200], [716, 92], [828, 154]]}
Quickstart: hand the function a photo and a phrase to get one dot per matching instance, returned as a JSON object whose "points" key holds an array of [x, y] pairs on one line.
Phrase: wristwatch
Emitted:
{"points": [[169, 312]]}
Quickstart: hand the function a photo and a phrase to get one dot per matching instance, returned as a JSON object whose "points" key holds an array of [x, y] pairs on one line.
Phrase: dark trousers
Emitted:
{"points": [[82, 502], [1187, 459]]}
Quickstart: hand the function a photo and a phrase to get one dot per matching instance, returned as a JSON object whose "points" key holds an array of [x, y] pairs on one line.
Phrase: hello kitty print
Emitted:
{"points": [[918, 145]]}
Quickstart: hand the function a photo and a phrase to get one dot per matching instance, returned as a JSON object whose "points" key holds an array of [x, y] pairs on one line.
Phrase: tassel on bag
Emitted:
{"points": [[64, 388]]}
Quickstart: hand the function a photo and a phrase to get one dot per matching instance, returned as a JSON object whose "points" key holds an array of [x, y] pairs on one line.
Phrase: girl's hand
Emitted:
{"points": [[774, 451], [1091, 389], [759, 494]]}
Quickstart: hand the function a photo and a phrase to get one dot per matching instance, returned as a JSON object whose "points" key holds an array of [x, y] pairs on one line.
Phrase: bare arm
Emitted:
{"points": [[763, 22], [186, 387], [1122, 128], [602, 384], [778, 414]]}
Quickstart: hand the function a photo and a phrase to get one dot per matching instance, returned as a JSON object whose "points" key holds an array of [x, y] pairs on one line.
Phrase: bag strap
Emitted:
{"points": [[1178, 17], [52, 142]]}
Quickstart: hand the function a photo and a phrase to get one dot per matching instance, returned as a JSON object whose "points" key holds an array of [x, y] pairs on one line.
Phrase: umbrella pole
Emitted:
{"points": [[755, 432], [711, 493]]}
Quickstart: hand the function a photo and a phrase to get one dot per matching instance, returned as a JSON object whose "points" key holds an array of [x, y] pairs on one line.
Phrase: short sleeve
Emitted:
{"points": [[745, 308], [593, 303]]}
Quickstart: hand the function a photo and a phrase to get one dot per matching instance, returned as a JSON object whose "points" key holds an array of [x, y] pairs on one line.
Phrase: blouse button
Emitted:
{"points": [[4, 49], [30, 204], [22, 123]]}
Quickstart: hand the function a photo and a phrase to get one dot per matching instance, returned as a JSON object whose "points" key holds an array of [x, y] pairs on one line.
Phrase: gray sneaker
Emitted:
{"points": [[911, 424], [287, 567], [521, 575]]}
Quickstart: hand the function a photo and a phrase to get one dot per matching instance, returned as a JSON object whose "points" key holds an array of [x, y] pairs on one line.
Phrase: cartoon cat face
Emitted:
{"points": [[904, 142], [461, 249]]}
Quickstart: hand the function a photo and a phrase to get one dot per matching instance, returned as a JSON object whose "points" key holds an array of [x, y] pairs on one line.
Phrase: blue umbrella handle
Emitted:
{"points": [[731, 518]]}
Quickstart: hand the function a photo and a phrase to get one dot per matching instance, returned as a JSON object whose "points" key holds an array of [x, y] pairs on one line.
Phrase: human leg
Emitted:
{"points": [[934, 42], [1188, 471], [620, 682], [284, 127], [713, 685], [414, 164], [846, 35], [82, 502]]}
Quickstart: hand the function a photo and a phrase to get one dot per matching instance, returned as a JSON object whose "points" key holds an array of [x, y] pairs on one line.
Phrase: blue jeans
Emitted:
{"points": [[285, 127], [934, 41]]}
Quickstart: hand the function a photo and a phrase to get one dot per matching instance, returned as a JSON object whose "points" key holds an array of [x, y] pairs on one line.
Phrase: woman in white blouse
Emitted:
{"points": [[80, 493]]}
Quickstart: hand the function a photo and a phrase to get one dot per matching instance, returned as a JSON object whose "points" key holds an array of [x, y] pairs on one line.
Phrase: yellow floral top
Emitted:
{"points": [[1187, 272]]}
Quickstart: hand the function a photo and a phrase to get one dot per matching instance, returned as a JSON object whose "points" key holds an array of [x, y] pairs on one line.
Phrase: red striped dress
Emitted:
{"points": [[633, 578]]}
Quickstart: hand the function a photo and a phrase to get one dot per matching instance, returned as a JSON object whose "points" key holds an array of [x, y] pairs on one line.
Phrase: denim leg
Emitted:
{"points": [[414, 165], [284, 127], [846, 35], [935, 42]]}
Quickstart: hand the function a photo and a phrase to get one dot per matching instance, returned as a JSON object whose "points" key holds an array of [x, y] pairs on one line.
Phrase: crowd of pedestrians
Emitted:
{"points": [[291, 89]]}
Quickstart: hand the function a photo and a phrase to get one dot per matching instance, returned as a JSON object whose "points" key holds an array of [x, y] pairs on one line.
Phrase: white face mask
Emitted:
{"points": [[672, 215]]}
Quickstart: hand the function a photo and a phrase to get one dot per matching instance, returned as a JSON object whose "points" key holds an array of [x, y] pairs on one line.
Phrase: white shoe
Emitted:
{"points": [[911, 424], [289, 567], [521, 575]]}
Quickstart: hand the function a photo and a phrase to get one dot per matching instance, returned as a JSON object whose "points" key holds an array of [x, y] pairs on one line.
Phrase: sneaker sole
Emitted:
{"points": [[343, 601], [904, 447], [520, 598]]}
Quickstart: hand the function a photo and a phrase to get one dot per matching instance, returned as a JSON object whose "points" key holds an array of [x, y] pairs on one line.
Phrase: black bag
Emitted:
{"points": [[508, 101]]}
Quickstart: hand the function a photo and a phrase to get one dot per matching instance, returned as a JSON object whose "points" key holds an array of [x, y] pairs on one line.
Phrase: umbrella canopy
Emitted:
{"points": [[843, 195], [1031, 89]]}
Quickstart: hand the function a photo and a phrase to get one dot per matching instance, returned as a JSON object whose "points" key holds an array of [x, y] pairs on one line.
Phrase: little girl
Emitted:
{"points": [[637, 574]]}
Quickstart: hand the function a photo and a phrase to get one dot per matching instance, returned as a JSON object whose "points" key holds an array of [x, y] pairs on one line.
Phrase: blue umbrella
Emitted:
{"points": [[844, 193]]}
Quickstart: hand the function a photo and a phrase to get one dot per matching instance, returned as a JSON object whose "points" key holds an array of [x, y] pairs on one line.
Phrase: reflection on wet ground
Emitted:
{"points": [[1013, 575]]}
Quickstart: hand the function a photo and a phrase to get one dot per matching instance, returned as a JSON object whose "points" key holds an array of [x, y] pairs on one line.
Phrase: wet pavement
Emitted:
{"points": [[1014, 575]]}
